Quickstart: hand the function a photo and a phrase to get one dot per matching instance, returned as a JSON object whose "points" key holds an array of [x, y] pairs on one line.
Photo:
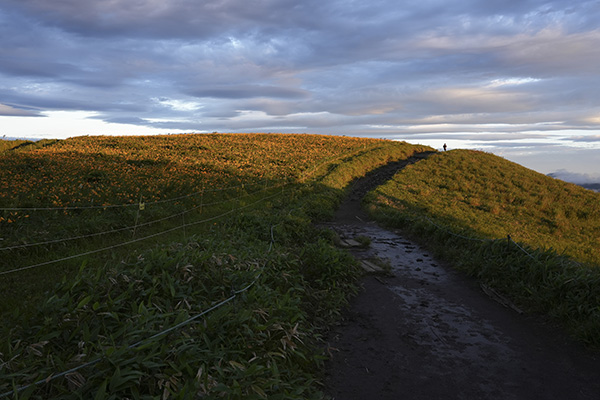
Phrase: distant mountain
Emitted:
{"points": [[584, 180], [591, 186]]}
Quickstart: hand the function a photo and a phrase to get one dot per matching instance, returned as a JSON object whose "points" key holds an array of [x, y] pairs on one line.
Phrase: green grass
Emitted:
{"points": [[280, 279], [19, 145], [261, 344], [466, 203], [6, 145]]}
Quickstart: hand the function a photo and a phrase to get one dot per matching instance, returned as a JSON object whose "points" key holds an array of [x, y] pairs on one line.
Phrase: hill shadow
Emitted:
{"points": [[350, 208]]}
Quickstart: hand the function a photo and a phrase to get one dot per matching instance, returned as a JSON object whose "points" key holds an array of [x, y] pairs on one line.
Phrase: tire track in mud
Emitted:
{"points": [[424, 331]]}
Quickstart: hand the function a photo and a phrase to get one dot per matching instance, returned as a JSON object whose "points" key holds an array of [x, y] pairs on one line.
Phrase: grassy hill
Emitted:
{"points": [[6, 145], [181, 266], [17, 145], [174, 266], [533, 237]]}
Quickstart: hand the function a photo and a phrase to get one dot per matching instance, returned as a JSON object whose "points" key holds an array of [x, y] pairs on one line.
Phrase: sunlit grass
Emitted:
{"points": [[466, 204], [288, 279], [493, 197]]}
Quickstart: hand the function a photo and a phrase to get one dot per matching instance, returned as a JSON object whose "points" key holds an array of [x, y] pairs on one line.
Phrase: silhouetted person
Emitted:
{"points": [[444, 146]]}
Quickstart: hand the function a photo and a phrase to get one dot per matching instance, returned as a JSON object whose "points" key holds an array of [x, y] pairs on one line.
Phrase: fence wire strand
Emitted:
{"points": [[138, 239], [179, 214], [221, 303], [235, 293]]}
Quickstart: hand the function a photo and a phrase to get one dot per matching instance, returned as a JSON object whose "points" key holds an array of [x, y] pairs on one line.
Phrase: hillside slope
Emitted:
{"points": [[427, 330], [518, 231], [487, 196], [178, 266]]}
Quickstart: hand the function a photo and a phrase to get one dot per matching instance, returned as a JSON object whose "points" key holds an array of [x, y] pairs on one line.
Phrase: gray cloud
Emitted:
{"points": [[248, 91], [458, 68], [8, 110], [574, 177], [161, 19], [585, 139]]}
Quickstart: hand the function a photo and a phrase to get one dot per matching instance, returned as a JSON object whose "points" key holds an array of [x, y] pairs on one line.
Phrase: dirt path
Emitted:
{"points": [[427, 332]]}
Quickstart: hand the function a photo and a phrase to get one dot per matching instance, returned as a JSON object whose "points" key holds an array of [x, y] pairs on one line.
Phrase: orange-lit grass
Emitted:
{"points": [[107, 171]]}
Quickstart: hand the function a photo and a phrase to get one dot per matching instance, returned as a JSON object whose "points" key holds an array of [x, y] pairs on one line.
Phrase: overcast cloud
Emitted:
{"points": [[480, 71]]}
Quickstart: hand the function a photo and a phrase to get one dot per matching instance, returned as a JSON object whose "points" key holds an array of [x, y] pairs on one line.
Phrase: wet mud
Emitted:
{"points": [[424, 331]]}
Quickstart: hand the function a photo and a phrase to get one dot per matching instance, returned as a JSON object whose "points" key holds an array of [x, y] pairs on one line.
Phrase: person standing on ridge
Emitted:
{"points": [[444, 146]]}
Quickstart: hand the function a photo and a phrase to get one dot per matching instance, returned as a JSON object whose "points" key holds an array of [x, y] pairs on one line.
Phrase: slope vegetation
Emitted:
{"points": [[533, 237], [179, 266]]}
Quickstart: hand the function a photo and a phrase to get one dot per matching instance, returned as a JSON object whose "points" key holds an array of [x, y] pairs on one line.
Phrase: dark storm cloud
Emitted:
{"points": [[372, 67]]}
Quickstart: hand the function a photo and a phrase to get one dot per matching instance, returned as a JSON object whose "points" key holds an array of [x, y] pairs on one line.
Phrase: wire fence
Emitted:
{"points": [[521, 248], [142, 205], [309, 174], [128, 242], [56, 375], [216, 305], [137, 225]]}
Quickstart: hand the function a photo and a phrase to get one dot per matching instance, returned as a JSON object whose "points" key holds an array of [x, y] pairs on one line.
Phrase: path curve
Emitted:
{"points": [[425, 331]]}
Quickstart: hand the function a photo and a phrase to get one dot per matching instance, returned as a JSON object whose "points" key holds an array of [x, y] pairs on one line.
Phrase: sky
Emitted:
{"points": [[517, 78]]}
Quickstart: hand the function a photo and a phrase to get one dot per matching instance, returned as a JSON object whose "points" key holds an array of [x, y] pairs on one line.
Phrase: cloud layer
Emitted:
{"points": [[380, 68]]}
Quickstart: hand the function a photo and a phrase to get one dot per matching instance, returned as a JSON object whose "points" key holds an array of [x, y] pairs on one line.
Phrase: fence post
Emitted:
{"points": [[141, 206]]}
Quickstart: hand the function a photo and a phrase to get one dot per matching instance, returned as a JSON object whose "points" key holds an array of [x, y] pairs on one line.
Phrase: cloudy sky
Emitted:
{"points": [[519, 78]]}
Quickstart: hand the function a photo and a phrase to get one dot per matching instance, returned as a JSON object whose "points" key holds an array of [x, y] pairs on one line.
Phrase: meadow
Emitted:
{"points": [[532, 237], [83, 194], [174, 266]]}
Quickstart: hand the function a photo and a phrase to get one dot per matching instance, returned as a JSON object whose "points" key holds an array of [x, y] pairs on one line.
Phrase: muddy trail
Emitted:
{"points": [[425, 331]]}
